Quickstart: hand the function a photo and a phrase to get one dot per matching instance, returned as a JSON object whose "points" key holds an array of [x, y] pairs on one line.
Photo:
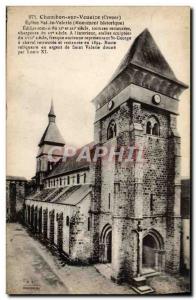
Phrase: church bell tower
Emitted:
{"points": [[51, 148], [138, 203]]}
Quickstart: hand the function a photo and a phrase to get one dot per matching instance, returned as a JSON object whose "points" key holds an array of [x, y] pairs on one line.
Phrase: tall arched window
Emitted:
{"points": [[78, 178], [152, 126], [84, 177], [155, 129], [111, 131], [68, 180], [148, 127]]}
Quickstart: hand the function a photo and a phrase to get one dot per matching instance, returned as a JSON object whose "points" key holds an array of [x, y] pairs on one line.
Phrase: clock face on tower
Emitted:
{"points": [[110, 104], [156, 99]]}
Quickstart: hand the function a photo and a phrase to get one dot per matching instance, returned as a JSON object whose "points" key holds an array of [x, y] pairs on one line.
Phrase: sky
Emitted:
{"points": [[72, 78]]}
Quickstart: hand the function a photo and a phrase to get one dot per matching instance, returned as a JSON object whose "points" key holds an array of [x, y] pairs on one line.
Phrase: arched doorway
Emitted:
{"points": [[109, 247], [152, 252], [106, 244]]}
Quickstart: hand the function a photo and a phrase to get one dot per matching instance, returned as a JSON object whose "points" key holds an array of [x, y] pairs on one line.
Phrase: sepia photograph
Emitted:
{"points": [[98, 181]]}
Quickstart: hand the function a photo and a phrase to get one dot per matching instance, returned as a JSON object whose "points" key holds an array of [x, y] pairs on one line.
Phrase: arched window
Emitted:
{"points": [[78, 178], [68, 180], [111, 131], [152, 126], [60, 181], [148, 128], [155, 129]]}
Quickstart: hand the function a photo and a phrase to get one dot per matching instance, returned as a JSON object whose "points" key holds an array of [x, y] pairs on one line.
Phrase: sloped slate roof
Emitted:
{"points": [[143, 56], [145, 53], [71, 163], [69, 195], [74, 197], [52, 135]]}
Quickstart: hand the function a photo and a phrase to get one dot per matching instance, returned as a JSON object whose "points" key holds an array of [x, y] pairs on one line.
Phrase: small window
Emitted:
{"points": [[60, 181], [109, 197], [155, 129], [152, 126], [78, 178], [89, 223], [111, 131], [68, 180], [148, 128], [84, 177], [67, 221]]}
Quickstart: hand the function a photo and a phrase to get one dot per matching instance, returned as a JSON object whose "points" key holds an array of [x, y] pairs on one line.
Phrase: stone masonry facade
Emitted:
{"points": [[122, 212]]}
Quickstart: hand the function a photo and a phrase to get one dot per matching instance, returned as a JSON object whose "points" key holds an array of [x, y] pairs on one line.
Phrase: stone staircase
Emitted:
{"points": [[139, 283]]}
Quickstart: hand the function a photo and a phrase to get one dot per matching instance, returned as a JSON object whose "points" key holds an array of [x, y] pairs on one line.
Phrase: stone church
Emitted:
{"points": [[123, 214]]}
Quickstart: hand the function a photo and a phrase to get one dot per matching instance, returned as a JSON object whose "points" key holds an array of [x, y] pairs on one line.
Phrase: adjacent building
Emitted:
{"points": [[15, 197]]}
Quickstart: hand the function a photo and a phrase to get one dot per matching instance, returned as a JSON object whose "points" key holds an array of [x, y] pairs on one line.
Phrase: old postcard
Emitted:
{"points": [[98, 150]]}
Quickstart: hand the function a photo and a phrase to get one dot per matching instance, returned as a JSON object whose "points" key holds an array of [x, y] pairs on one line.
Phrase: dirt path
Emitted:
{"points": [[34, 270]]}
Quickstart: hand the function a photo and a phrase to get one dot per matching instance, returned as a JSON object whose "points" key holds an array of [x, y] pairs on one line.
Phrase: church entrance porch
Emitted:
{"points": [[106, 244], [152, 253]]}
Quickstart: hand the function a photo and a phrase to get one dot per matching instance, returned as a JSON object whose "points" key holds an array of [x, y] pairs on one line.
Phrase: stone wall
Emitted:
{"points": [[15, 196], [145, 197], [70, 235]]}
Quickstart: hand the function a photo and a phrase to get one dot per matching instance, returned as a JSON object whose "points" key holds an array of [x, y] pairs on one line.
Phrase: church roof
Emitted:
{"points": [[52, 135], [72, 163], [143, 65], [145, 53], [69, 195], [74, 195]]}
